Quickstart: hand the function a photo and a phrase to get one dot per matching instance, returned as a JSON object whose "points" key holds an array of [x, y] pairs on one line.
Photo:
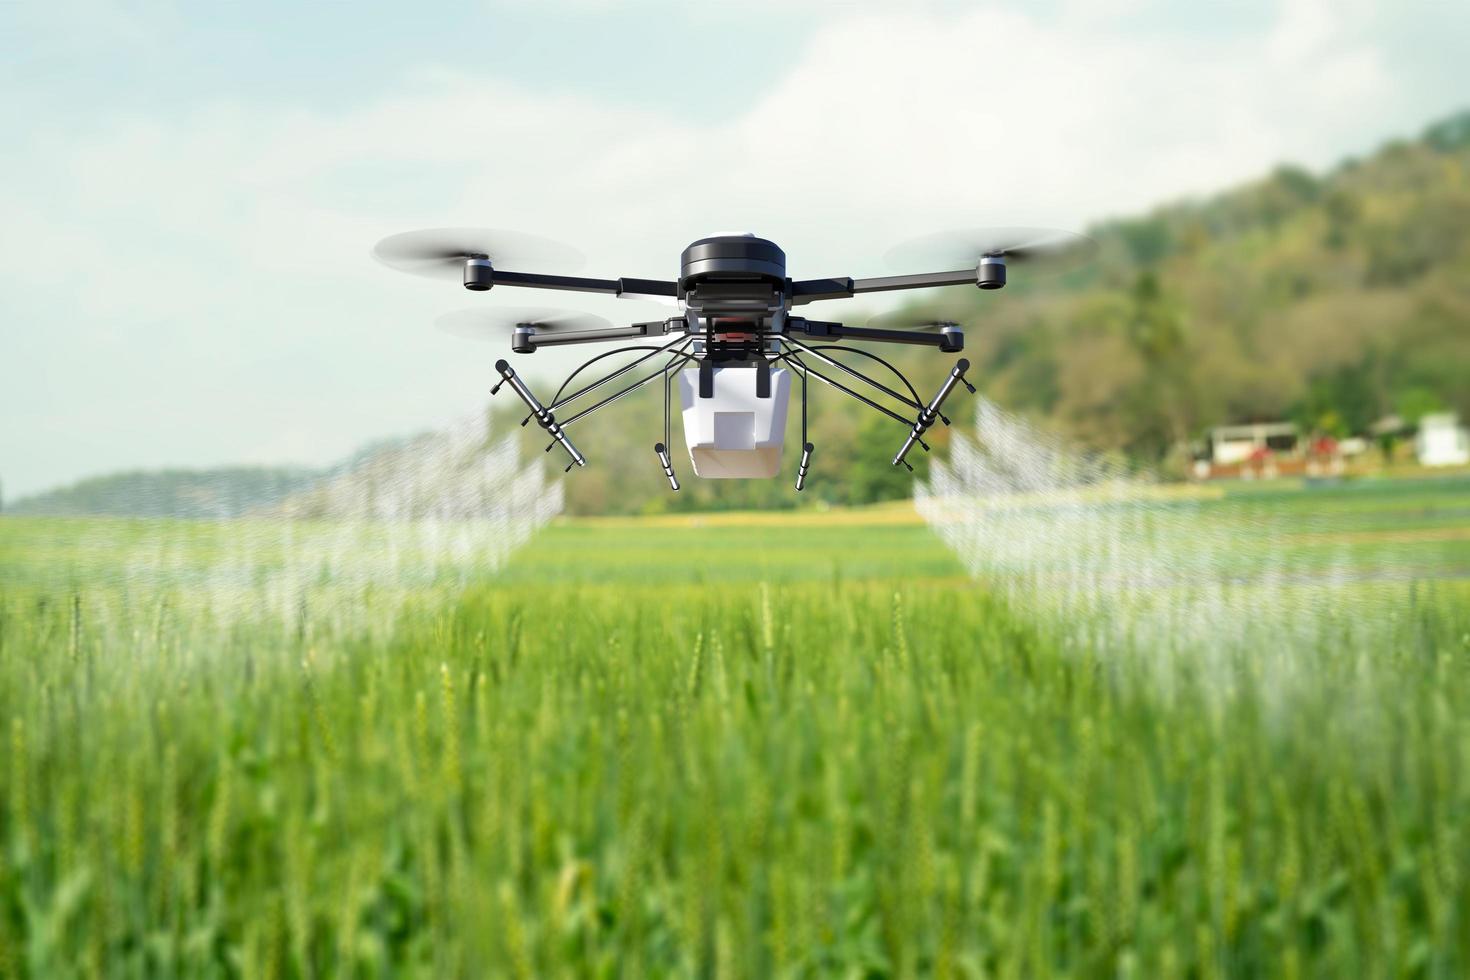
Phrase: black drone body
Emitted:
{"points": [[736, 340]]}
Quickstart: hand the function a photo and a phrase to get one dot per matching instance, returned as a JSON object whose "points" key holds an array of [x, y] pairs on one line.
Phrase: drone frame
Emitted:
{"points": [[736, 309], [692, 343]]}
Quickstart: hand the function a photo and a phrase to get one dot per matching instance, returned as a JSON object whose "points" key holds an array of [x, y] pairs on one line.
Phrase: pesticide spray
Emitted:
{"points": [[415, 521], [1114, 560]]}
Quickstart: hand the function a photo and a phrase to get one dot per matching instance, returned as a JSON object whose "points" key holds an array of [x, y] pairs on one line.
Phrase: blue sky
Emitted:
{"points": [[188, 191]]}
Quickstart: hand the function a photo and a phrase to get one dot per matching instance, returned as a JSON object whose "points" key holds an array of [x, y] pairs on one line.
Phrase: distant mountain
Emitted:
{"points": [[463, 471], [217, 493]]}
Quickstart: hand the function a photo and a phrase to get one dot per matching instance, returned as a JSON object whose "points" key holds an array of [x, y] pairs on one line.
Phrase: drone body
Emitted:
{"points": [[735, 347]]}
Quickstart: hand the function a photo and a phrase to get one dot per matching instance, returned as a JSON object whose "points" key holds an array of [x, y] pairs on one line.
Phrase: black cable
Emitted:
{"points": [[684, 358], [557, 401], [668, 380], [916, 403], [843, 388]]}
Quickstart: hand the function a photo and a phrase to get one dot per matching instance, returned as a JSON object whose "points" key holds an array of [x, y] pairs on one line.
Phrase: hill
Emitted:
{"points": [[1332, 299], [215, 493]]}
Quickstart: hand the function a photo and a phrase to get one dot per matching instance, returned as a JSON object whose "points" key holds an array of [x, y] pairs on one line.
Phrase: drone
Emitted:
{"points": [[734, 343]]}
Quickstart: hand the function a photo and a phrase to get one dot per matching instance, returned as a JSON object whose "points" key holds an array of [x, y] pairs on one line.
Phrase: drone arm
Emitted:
{"points": [[609, 287], [653, 328], [813, 290], [948, 342], [924, 280], [634, 288]]}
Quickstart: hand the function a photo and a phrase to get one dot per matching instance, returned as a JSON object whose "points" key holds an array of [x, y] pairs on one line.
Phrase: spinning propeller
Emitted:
{"points": [[530, 327], [501, 322], [911, 320], [1046, 250], [440, 253]]}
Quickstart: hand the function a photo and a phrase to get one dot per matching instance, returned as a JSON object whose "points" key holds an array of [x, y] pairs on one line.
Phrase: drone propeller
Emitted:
{"points": [[909, 320], [500, 322], [440, 253], [1041, 249]]}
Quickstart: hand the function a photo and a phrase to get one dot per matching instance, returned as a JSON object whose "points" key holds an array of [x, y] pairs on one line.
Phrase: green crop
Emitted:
{"points": [[805, 747]]}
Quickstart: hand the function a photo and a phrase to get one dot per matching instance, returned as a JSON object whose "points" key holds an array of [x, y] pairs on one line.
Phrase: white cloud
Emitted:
{"points": [[212, 266]]}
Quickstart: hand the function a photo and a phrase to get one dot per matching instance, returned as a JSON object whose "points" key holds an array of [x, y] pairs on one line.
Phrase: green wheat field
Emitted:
{"points": [[767, 746]]}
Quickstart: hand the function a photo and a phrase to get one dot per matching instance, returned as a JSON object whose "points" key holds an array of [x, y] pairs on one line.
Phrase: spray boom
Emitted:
{"points": [[931, 413]]}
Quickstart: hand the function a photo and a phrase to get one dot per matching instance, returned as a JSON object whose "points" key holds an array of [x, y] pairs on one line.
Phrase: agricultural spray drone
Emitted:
{"points": [[734, 343]]}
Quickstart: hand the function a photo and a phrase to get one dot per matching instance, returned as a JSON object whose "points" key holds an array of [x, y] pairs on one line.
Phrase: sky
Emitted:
{"points": [[189, 192]]}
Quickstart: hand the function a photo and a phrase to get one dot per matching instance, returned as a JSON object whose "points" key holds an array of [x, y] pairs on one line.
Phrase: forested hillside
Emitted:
{"points": [[1331, 299]]}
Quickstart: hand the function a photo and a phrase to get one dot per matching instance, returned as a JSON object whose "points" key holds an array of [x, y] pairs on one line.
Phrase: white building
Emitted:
{"points": [[1238, 443], [1442, 441]]}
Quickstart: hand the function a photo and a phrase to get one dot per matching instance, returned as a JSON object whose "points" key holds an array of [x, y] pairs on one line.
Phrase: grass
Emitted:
{"points": [[798, 747]]}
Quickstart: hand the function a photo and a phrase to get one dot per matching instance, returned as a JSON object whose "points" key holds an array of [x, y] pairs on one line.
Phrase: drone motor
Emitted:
{"points": [[479, 274], [991, 273]]}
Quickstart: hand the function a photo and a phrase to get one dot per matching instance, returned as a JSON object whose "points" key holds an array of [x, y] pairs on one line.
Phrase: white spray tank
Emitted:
{"points": [[735, 434]]}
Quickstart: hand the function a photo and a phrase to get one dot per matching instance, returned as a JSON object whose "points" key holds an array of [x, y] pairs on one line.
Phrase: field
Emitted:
{"points": [[795, 745]]}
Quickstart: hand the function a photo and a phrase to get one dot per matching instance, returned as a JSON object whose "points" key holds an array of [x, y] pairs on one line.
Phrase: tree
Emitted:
{"points": [[1339, 404], [872, 476], [1159, 405], [1412, 404]]}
